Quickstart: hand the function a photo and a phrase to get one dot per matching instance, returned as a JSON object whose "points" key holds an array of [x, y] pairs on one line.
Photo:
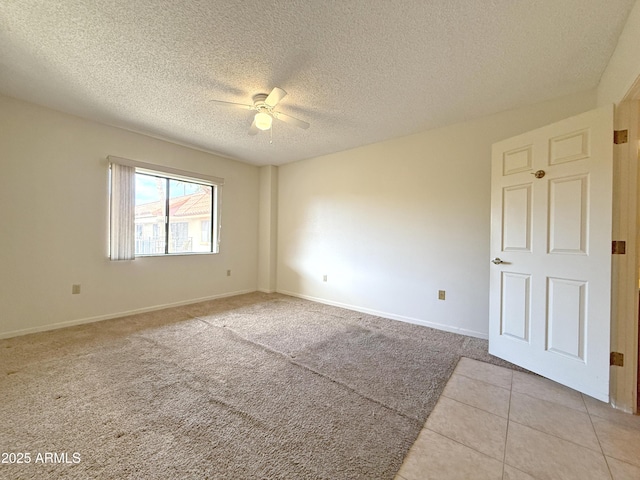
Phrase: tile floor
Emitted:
{"points": [[496, 423]]}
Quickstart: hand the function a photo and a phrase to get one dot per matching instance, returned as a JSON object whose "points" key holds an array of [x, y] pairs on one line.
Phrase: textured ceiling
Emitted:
{"points": [[360, 71]]}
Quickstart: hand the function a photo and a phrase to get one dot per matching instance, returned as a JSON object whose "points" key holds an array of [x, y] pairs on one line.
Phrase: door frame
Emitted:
{"points": [[625, 268]]}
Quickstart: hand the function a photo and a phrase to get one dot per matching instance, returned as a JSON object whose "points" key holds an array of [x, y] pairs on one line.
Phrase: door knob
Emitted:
{"points": [[497, 261]]}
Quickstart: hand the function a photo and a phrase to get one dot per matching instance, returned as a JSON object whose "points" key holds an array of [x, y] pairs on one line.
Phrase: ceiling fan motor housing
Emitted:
{"points": [[258, 100]]}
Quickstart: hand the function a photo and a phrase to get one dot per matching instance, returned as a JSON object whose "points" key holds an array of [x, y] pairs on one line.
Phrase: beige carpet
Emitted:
{"points": [[253, 386]]}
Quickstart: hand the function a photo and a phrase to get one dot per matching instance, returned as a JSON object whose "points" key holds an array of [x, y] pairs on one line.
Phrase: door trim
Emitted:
{"points": [[624, 297]]}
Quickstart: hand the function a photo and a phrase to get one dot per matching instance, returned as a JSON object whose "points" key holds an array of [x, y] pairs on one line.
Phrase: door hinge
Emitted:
{"points": [[620, 136], [616, 359], [618, 247]]}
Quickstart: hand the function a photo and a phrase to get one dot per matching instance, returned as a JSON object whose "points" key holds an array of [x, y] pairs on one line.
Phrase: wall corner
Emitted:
{"points": [[267, 228]]}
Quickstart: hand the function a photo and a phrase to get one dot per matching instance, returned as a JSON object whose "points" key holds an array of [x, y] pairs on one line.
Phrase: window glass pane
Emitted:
{"points": [[189, 206], [150, 214], [205, 231]]}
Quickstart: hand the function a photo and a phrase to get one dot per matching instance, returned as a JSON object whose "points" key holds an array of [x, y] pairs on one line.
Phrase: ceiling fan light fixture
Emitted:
{"points": [[263, 121]]}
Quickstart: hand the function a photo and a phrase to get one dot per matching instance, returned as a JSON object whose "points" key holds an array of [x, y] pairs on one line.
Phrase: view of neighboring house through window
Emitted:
{"points": [[171, 215], [205, 231]]}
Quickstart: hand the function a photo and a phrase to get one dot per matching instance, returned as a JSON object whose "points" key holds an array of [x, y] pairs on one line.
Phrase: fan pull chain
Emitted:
{"points": [[271, 135]]}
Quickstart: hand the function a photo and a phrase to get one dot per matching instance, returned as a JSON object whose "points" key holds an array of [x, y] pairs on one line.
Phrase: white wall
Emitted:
{"points": [[392, 223], [621, 79], [54, 224], [623, 68]]}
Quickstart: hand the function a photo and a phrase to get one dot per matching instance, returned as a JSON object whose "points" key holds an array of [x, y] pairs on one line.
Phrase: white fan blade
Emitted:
{"points": [[253, 130], [231, 104], [291, 120], [275, 96]]}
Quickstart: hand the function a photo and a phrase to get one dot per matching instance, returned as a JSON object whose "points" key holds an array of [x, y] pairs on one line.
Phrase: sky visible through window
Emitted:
{"points": [[151, 189]]}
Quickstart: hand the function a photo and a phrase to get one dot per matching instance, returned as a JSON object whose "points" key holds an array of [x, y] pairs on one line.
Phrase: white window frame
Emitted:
{"points": [[176, 174]]}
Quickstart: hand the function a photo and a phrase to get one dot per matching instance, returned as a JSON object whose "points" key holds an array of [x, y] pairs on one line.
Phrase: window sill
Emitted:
{"points": [[181, 254]]}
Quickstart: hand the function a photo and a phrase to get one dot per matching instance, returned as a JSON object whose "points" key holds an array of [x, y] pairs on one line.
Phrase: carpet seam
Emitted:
{"points": [[320, 374]]}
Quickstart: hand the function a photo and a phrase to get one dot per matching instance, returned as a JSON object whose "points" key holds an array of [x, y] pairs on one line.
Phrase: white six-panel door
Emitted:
{"points": [[551, 295]]}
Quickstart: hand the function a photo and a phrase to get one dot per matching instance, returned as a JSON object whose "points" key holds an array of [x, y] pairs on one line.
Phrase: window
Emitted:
{"points": [[173, 212], [169, 213]]}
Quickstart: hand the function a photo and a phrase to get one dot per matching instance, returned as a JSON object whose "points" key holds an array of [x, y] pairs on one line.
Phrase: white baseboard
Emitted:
{"points": [[391, 316], [99, 318]]}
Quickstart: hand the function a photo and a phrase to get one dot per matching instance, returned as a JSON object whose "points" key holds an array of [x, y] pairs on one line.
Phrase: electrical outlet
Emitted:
{"points": [[75, 289], [324, 278], [228, 273], [441, 295]]}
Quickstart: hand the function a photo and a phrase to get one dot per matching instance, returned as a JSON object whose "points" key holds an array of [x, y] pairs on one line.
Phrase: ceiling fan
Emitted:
{"points": [[265, 106]]}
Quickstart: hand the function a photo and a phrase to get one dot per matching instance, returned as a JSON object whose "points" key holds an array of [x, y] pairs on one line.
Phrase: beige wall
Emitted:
{"points": [[267, 228], [54, 220], [392, 223]]}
